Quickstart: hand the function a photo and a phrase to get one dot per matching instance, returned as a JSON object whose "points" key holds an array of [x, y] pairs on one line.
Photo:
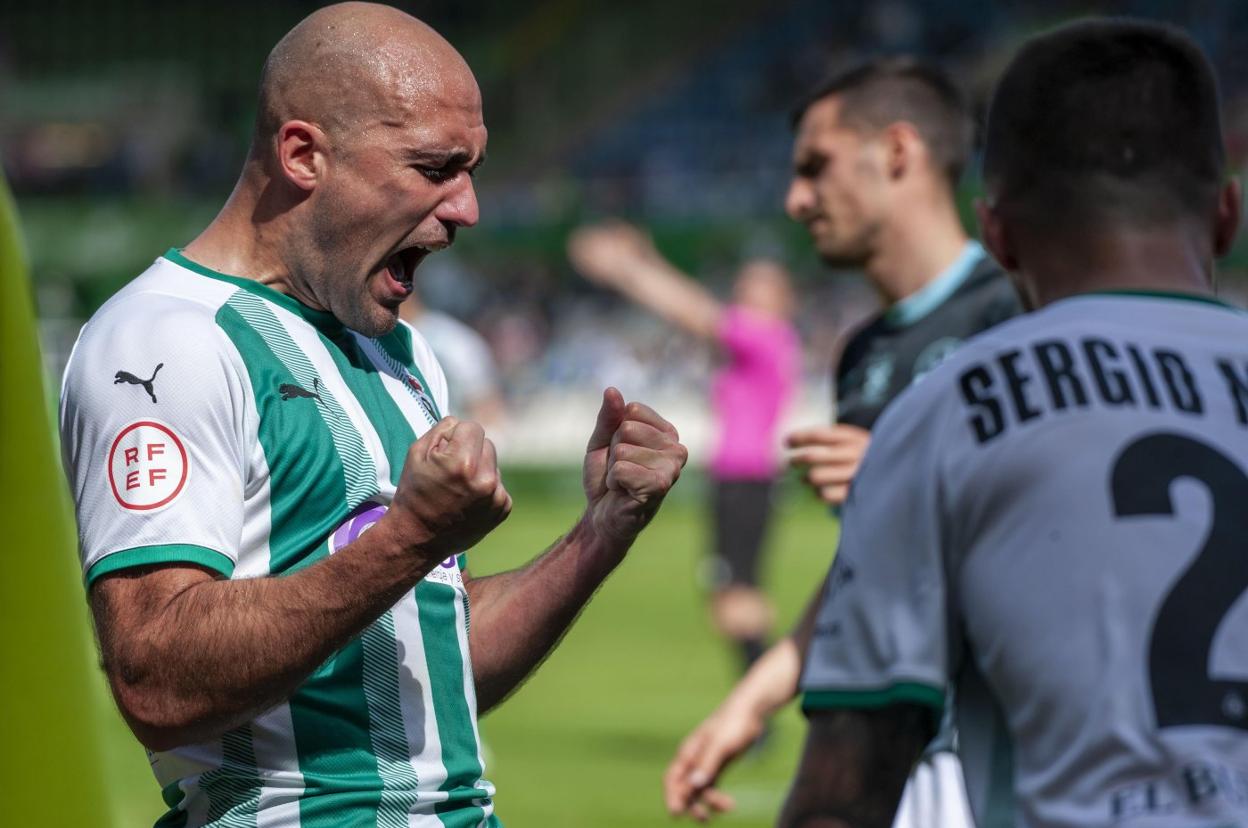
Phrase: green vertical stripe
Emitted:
{"points": [[330, 717], [438, 628], [380, 658], [436, 606], [366, 386], [307, 485], [381, 687], [233, 789], [318, 468], [361, 478]]}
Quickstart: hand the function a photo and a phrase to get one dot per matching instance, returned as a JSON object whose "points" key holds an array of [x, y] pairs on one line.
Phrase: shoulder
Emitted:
{"points": [[164, 309], [989, 293], [164, 321], [857, 341]]}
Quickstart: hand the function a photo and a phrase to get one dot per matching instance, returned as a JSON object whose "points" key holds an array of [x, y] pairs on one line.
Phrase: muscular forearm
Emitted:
{"points": [[519, 616], [190, 657]]}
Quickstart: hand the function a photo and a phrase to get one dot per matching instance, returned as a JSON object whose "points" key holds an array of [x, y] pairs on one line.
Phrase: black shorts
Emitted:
{"points": [[742, 510]]}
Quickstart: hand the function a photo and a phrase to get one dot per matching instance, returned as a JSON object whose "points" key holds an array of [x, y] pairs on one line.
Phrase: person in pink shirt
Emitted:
{"points": [[758, 375]]}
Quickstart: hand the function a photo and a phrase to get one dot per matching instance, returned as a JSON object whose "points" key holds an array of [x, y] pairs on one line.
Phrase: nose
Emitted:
{"points": [[460, 205], [799, 199]]}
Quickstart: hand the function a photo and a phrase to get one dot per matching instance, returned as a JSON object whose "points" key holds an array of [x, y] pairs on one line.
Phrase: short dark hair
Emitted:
{"points": [[884, 91], [1109, 119]]}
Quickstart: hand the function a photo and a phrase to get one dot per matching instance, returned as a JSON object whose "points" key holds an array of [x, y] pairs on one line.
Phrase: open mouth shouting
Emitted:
{"points": [[401, 269]]}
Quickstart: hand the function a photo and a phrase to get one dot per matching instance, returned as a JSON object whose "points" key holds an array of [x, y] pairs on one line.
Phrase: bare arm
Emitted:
{"points": [[854, 767], [618, 256], [189, 656], [632, 460], [689, 782]]}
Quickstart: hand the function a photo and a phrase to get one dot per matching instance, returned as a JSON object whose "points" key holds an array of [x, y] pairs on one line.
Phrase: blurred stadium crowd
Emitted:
{"points": [[126, 121]]}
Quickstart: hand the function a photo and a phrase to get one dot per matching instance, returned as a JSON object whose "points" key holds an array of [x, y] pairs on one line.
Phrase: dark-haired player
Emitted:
{"points": [[876, 160], [1054, 520]]}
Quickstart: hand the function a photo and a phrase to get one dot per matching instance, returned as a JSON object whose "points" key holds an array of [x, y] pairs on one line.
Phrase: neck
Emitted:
{"points": [[915, 247], [244, 239], [1173, 260]]}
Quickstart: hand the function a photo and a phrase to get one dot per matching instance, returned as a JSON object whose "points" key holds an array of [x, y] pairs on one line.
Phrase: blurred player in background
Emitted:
{"points": [[465, 357], [876, 160], [1068, 541], [271, 509], [761, 364]]}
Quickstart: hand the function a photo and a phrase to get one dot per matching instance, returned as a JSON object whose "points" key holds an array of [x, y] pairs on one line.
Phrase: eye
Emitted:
{"points": [[438, 175], [811, 167]]}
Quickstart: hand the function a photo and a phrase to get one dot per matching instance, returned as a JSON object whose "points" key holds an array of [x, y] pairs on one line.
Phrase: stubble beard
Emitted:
{"points": [[359, 311]]}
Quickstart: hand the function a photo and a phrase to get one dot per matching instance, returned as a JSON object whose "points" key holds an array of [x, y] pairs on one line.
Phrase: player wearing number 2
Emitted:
{"points": [[1054, 520]]}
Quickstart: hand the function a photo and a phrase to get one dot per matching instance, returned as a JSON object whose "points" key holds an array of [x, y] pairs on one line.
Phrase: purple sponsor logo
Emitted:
{"points": [[360, 520]]}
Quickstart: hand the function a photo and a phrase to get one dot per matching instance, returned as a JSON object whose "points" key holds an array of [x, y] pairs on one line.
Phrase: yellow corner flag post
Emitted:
{"points": [[50, 768]]}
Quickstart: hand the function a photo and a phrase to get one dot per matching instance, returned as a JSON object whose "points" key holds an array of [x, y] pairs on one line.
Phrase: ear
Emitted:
{"points": [[1226, 221], [902, 148], [301, 150], [995, 237]]}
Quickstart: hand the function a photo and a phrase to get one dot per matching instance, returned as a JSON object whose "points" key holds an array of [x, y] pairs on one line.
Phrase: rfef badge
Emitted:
{"points": [[147, 466]]}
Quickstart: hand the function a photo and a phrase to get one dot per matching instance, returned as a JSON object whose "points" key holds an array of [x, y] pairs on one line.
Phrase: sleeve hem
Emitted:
{"points": [[874, 698], [162, 553]]}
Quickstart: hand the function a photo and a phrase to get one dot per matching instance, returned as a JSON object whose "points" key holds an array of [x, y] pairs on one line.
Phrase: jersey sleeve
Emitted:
{"points": [[152, 422], [881, 634]]}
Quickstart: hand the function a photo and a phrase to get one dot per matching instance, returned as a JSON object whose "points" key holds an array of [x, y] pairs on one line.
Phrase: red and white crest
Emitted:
{"points": [[147, 466]]}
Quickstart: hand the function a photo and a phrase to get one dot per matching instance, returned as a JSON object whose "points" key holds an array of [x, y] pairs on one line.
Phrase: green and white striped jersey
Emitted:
{"points": [[208, 419]]}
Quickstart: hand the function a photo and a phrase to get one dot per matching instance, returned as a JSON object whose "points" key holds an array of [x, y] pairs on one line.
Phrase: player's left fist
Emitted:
{"points": [[633, 459]]}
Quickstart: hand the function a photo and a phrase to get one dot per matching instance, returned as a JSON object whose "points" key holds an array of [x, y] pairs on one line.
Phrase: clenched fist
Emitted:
{"points": [[450, 494], [633, 458]]}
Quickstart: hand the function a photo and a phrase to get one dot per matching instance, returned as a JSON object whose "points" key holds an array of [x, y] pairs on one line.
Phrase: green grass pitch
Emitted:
{"points": [[586, 740]]}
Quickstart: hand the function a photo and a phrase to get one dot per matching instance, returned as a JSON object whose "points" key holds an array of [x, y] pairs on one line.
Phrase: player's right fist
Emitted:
{"points": [[450, 494]]}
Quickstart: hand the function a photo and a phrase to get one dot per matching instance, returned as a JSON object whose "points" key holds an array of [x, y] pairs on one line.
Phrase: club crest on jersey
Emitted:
{"points": [[147, 466], [422, 396]]}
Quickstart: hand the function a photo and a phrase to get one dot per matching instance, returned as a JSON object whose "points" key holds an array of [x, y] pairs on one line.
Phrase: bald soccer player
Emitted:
{"points": [[272, 509]]}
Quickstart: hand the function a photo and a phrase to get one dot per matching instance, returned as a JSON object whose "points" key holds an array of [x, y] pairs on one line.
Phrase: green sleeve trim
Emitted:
{"points": [[463, 561], [900, 693], [162, 553]]}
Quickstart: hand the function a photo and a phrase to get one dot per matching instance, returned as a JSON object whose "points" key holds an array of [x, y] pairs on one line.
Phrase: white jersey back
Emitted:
{"points": [[1055, 522]]}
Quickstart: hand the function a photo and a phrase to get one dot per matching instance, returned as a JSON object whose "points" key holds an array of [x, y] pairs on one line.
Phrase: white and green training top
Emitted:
{"points": [[207, 419]]}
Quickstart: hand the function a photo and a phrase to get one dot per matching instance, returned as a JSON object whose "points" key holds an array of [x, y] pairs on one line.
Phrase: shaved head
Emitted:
{"points": [[351, 66], [368, 134]]}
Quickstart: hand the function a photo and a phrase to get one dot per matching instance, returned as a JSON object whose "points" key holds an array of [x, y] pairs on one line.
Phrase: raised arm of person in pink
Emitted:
{"points": [[761, 365]]}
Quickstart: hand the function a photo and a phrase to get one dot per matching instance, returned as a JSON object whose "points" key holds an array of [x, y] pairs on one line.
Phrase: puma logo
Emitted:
{"points": [[290, 391], [127, 377]]}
